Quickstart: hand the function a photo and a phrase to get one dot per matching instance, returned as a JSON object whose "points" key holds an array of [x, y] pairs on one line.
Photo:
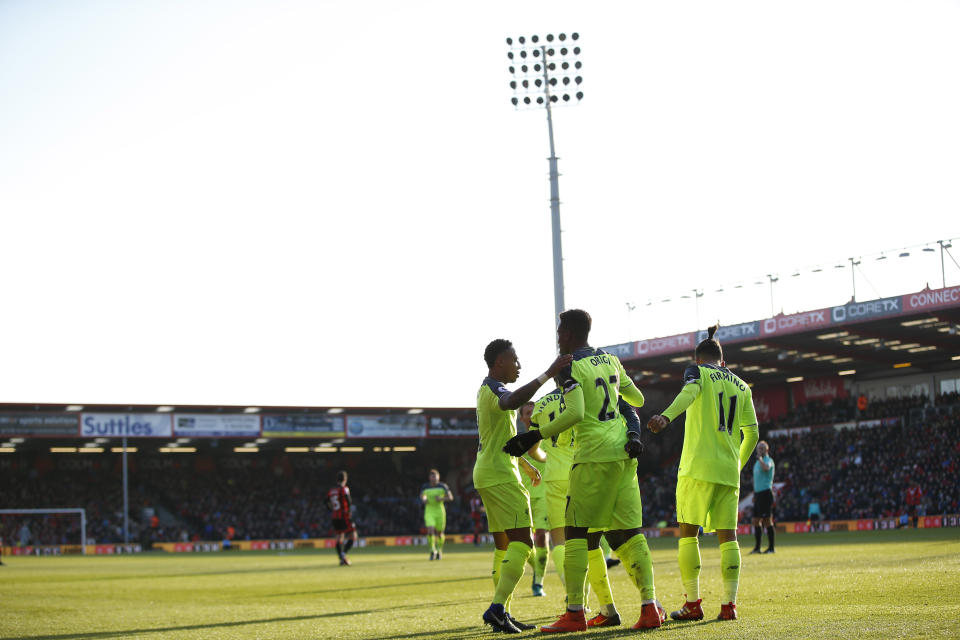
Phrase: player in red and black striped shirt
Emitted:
{"points": [[338, 501]]}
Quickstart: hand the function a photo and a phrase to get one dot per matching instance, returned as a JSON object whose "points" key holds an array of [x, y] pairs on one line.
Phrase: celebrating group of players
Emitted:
{"points": [[585, 438]]}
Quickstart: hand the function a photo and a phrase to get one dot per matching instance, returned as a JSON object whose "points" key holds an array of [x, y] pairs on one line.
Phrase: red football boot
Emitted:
{"points": [[649, 617], [728, 612], [689, 611], [569, 621]]}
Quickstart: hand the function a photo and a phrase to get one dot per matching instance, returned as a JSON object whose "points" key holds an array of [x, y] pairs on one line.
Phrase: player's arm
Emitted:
{"points": [[633, 447], [628, 390], [531, 471], [448, 496], [537, 453], [571, 415], [764, 465], [750, 431], [686, 397], [423, 494], [517, 398]]}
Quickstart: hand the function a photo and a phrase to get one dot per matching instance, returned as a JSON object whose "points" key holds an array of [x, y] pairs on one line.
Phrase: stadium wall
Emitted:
{"points": [[874, 524]]}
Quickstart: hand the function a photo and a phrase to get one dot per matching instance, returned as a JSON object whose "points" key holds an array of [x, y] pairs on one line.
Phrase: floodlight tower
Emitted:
{"points": [[535, 68]]}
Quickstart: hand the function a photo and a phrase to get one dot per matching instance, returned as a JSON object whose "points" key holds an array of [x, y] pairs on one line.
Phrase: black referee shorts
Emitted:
{"points": [[763, 504]]}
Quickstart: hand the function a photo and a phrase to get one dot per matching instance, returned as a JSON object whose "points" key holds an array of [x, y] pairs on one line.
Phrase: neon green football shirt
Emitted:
{"points": [[559, 448], [432, 492], [494, 426], [722, 406], [602, 434]]}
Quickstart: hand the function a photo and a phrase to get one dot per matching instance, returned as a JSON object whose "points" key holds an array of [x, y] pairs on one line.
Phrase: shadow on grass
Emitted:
{"points": [[372, 587], [463, 632]]}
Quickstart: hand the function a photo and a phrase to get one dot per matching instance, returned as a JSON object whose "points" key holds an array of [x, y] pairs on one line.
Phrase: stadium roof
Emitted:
{"points": [[918, 332]]}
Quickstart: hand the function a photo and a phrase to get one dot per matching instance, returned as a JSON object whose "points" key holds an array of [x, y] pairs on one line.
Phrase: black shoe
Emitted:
{"points": [[612, 562], [497, 623], [757, 550], [520, 625], [769, 551]]}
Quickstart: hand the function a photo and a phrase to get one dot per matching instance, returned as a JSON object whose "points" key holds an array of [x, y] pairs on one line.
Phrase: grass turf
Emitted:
{"points": [[883, 584]]}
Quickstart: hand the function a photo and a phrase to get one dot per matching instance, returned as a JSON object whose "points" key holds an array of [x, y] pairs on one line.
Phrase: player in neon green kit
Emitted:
{"points": [[433, 494], [604, 495], [538, 510], [719, 407], [496, 475], [556, 479]]}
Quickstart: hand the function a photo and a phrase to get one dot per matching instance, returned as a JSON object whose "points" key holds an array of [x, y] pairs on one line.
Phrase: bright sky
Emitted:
{"points": [[334, 203]]}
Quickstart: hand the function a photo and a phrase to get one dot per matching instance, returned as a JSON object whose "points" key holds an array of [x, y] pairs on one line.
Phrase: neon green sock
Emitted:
{"points": [[597, 573], [636, 558], [511, 570], [575, 571], [558, 551], [689, 558], [440, 540], [497, 561], [605, 546], [540, 555], [730, 569]]}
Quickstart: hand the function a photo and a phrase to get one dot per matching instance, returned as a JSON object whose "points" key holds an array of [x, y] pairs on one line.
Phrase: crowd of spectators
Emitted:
{"points": [[854, 472], [866, 472]]}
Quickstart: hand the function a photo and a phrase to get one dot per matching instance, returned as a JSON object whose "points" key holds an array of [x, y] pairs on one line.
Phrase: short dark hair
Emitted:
{"points": [[434, 471], [710, 348], [494, 349], [341, 476], [577, 321]]}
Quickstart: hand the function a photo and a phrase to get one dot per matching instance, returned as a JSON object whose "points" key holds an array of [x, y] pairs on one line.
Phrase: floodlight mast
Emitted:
{"points": [[544, 52]]}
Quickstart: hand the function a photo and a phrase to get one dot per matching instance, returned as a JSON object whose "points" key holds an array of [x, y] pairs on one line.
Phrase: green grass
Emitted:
{"points": [[885, 584]]}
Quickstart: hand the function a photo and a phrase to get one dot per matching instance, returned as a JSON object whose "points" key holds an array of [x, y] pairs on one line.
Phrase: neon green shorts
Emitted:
{"points": [[707, 504], [556, 502], [436, 519], [538, 511], [507, 505], [604, 495]]}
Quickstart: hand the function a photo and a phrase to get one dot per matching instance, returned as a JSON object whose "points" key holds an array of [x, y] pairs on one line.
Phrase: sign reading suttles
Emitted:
{"points": [[304, 425], [387, 426], [39, 424], [131, 425], [216, 426]]}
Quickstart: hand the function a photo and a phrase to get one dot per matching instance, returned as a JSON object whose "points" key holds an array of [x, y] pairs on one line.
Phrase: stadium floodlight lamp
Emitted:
{"points": [[183, 440], [252, 410], [795, 379], [121, 449], [404, 448], [905, 254], [102, 440], [335, 410], [545, 74], [89, 449], [17, 440], [817, 270], [848, 372], [63, 449], [246, 449], [882, 257], [351, 449], [414, 412], [929, 249], [164, 409], [263, 440], [325, 449], [8, 450], [296, 449], [74, 407]]}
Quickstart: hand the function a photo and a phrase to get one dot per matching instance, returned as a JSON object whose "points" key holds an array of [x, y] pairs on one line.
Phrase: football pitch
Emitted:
{"points": [[884, 584]]}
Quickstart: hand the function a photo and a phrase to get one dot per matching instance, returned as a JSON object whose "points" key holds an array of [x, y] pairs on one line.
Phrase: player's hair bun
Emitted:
{"points": [[712, 330]]}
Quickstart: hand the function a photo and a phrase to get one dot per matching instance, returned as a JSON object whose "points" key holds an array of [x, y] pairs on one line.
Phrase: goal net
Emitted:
{"points": [[43, 528]]}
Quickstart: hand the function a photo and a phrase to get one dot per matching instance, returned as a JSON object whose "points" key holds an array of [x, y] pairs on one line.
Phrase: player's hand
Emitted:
{"points": [[657, 424], [521, 443], [558, 365], [633, 447], [535, 477]]}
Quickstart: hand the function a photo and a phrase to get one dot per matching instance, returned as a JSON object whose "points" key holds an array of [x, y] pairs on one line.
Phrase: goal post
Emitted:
{"points": [[81, 512]]}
